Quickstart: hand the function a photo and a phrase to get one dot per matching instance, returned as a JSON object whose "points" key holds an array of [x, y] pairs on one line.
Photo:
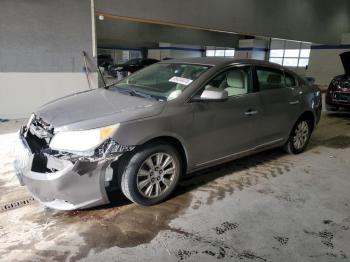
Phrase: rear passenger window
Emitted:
{"points": [[290, 80], [270, 79]]}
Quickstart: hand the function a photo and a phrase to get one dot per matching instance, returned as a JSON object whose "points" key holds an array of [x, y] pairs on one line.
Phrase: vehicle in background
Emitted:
{"points": [[338, 93], [131, 66], [105, 61], [165, 121]]}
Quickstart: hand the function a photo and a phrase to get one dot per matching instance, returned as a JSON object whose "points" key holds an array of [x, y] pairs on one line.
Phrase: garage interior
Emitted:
{"points": [[267, 207]]}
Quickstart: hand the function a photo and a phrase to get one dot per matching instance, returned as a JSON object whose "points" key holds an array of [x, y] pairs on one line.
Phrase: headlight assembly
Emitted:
{"points": [[82, 142]]}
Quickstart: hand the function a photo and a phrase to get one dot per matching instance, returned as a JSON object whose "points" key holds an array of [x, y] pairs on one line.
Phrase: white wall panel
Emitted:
{"points": [[23, 93]]}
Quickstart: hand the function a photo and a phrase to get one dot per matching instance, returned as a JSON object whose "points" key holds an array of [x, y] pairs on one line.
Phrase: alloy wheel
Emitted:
{"points": [[301, 135], [156, 175]]}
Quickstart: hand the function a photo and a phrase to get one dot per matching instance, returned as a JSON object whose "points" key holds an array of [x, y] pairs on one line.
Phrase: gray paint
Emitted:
{"points": [[235, 133], [122, 33], [107, 106], [44, 36], [319, 21]]}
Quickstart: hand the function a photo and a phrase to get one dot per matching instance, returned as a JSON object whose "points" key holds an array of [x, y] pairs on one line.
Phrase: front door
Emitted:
{"points": [[223, 129]]}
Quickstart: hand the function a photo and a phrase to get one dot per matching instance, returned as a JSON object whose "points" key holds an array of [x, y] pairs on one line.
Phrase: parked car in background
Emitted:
{"points": [[131, 66], [160, 123], [338, 93], [104, 61]]}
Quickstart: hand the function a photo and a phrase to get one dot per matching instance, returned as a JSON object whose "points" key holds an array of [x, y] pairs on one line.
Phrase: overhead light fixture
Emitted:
{"points": [[101, 17]]}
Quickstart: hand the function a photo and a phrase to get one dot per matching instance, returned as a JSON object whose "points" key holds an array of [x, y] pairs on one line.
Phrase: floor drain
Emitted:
{"points": [[16, 204]]}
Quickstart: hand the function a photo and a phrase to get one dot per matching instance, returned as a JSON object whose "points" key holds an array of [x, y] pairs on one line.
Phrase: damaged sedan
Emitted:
{"points": [[172, 118]]}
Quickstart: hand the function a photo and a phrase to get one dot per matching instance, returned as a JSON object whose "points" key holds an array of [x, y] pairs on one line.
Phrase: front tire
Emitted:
{"points": [[151, 174], [299, 137]]}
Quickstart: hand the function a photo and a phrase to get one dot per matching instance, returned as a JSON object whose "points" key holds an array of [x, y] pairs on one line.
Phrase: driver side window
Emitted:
{"points": [[235, 81]]}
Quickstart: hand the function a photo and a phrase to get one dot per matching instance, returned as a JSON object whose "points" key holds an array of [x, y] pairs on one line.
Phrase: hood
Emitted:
{"points": [[345, 58], [92, 107]]}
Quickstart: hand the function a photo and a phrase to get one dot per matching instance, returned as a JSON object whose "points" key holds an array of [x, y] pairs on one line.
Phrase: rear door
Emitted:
{"points": [[279, 94]]}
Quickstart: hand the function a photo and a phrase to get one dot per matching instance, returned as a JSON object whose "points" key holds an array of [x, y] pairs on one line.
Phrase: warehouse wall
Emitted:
{"points": [[167, 50], [298, 19], [325, 63], [122, 33], [40, 52]]}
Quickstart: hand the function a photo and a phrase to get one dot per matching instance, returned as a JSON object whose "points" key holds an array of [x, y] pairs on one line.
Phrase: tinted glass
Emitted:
{"points": [[234, 81], [134, 61], [290, 80], [270, 79]]}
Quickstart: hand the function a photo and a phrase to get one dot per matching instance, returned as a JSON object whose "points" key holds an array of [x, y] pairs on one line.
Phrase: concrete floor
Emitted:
{"points": [[267, 207]]}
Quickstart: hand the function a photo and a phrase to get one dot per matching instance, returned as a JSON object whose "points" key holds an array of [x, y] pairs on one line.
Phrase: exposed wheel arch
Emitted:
{"points": [[119, 164], [307, 115]]}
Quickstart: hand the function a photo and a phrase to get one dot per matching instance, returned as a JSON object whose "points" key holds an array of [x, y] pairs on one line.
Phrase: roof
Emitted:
{"points": [[215, 61]]}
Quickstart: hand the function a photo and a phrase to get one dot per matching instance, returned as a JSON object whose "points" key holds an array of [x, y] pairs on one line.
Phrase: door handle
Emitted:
{"points": [[251, 112], [294, 102]]}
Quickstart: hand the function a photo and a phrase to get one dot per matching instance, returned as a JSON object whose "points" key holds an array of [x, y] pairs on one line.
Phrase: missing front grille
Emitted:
{"points": [[16, 204]]}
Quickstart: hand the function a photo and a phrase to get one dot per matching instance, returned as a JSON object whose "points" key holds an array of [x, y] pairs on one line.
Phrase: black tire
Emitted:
{"points": [[129, 173], [291, 147]]}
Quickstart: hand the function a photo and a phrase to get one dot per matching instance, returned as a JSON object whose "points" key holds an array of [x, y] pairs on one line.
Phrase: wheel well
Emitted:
{"points": [[309, 116], [176, 144], [119, 165]]}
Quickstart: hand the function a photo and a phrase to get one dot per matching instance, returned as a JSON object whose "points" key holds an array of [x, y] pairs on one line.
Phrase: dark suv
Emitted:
{"points": [[338, 93]]}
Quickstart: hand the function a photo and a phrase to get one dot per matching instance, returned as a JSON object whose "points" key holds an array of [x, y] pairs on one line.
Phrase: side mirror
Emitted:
{"points": [[212, 94]]}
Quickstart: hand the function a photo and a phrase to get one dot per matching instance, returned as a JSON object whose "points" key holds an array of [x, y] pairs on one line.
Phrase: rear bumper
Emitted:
{"points": [[75, 185]]}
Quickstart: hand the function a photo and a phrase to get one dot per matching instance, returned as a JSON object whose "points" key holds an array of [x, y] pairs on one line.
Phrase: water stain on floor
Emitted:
{"points": [[338, 142], [225, 226], [282, 240], [245, 173], [123, 226], [325, 236], [127, 225]]}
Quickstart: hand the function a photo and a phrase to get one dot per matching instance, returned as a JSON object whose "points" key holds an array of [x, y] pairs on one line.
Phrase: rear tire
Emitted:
{"points": [[151, 174], [299, 137]]}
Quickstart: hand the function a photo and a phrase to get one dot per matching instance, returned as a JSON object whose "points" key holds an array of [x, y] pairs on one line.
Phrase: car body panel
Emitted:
{"points": [[103, 106], [217, 125], [60, 189], [210, 132]]}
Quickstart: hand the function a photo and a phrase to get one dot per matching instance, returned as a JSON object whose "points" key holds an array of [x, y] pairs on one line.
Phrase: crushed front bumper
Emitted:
{"points": [[75, 185]]}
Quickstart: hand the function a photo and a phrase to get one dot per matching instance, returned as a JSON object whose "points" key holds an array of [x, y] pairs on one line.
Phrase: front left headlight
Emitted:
{"points": [[82, 142]]}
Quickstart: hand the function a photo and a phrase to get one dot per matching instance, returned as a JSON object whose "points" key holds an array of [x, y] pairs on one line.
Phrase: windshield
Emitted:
{"points": [[134, 61], [162, 81]]}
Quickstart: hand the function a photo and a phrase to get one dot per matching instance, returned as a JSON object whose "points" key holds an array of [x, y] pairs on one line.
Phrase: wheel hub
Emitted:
{"points": [[301, 135], [156, 175]]}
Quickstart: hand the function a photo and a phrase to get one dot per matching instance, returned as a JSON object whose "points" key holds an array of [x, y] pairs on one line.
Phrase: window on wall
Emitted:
{"points": [[219, 51], [290, 53]]}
